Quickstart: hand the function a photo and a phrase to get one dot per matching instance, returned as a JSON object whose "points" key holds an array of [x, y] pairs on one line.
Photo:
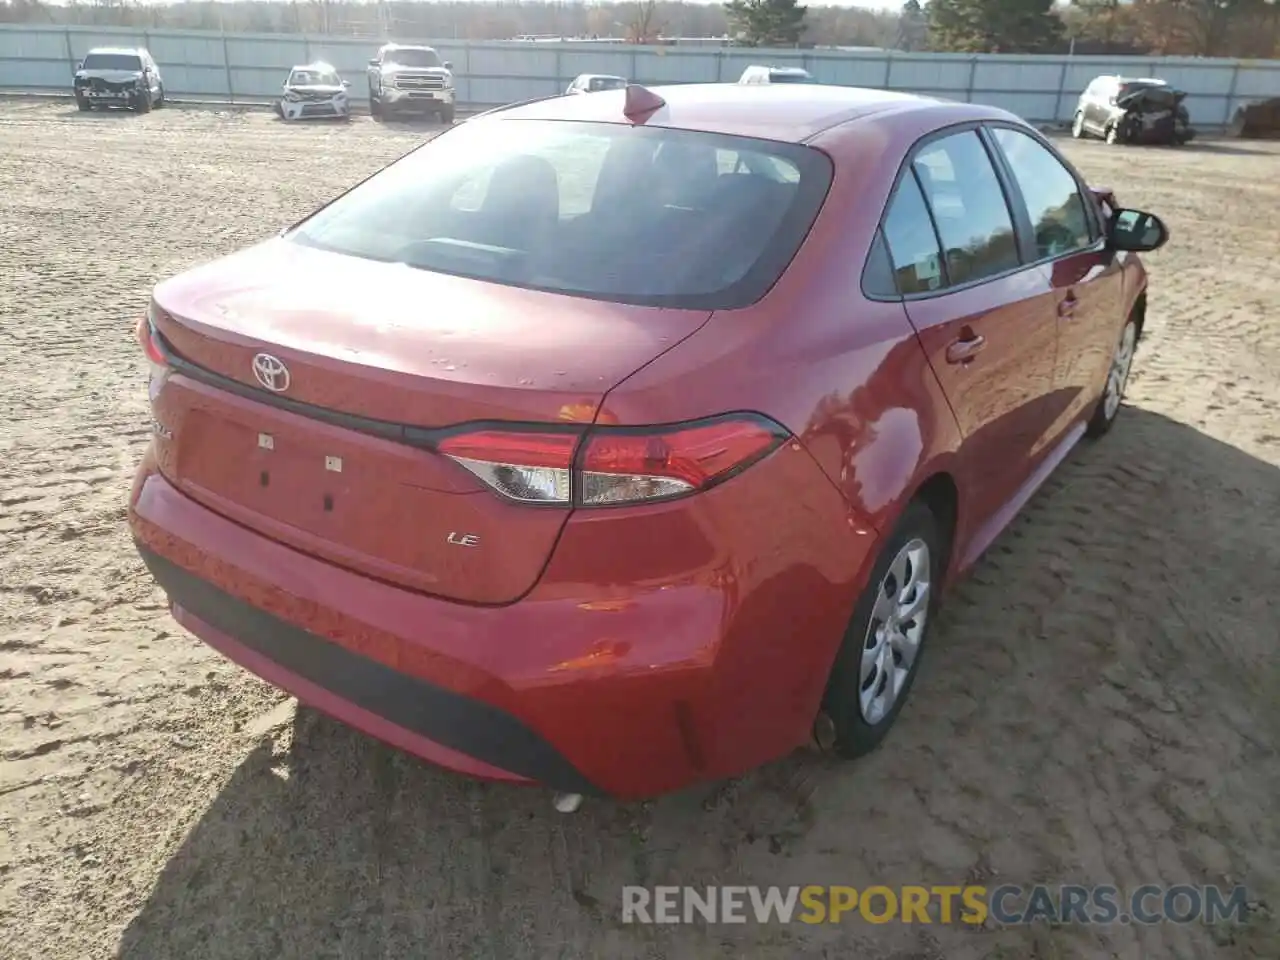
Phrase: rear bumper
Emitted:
{"points": [[611, 677], [429, 720]]}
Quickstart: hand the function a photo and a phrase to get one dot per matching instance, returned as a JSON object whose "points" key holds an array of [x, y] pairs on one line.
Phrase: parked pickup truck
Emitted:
{"points": [[410, 79]]}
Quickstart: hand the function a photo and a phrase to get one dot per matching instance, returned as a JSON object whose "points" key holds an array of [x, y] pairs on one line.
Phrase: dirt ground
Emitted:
{"points": [[1101, 702]]}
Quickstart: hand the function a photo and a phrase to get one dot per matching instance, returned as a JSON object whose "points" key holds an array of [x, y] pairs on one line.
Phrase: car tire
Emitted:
{"points": [[142, 102], [1077, 126], [855, 712], [1104, 414], [160, 97], [1113, 134], [375, 107], [83, 104], [446, 115]]}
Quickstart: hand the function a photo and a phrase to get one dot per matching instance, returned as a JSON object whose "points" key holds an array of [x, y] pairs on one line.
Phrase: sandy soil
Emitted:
{"points": [[1101, 703]]}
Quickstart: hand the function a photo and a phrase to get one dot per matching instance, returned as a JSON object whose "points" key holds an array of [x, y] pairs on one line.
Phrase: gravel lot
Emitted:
{"points": [[1101, 702]]}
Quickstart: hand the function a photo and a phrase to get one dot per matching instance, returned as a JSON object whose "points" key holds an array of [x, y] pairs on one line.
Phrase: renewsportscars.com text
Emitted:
{"points": [[1007, 905]]}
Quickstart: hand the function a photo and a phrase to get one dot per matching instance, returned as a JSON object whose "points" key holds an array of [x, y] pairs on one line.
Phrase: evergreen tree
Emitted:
{"points": [[994, 26], [766, 23]]}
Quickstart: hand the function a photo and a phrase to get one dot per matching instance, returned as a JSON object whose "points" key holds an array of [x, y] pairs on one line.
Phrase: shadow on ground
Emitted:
{"points": [[1097, 707]]}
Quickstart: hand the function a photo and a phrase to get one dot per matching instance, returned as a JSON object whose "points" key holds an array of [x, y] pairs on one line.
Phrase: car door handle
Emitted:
{"points": [[962, 351], [1067, 305]]}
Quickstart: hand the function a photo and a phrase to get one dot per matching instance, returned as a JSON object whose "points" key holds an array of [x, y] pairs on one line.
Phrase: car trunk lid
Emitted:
{"points": [[308, 385]]}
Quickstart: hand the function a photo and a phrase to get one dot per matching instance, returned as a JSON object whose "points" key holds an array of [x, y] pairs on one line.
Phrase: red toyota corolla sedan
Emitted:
{"points": [[614, 443]]}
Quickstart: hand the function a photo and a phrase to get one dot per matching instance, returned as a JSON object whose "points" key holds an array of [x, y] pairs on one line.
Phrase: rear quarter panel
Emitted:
{"points": [[845, 374]]}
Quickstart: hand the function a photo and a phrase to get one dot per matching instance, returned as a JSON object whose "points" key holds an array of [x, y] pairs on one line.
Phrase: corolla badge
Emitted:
{"points": [[271, 372]]}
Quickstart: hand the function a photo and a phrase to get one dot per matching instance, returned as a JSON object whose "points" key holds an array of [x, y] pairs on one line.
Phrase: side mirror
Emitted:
{"points": [[448, 64], [346, 83], [79, 64], [1137, 230], [373, 62]]}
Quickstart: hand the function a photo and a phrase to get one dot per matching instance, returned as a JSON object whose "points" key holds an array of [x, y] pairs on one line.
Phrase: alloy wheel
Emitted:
{"points": [[895, 630]]}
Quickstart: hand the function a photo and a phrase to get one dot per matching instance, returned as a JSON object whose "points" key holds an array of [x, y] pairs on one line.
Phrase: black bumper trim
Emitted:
{"points": [[450, 719]]}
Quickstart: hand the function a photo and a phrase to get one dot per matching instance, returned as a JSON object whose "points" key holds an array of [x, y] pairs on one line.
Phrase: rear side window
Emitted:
{"points": [[640, 215], [1058, 215], [968, 206], [913, 246]]}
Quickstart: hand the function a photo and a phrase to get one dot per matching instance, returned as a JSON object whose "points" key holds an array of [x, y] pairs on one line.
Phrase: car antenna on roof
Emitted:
{"points": [[641, 103]]}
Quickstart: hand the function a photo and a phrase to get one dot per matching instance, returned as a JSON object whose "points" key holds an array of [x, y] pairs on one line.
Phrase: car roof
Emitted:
{"points": [[128, 51], [789, 112], [316, 67], [407, 46]]}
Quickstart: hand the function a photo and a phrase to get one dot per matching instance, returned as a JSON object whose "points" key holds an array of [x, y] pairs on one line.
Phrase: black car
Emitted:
{"points": [[1132, 110]]}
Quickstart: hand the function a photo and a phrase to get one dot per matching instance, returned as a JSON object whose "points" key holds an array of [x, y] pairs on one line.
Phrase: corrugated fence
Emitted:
{"points": [[204, 65]]}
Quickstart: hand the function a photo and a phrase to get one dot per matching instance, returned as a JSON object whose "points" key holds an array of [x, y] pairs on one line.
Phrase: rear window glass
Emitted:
{"points": [[640, 215], [112, 61], [607, 83], [790, 78]]}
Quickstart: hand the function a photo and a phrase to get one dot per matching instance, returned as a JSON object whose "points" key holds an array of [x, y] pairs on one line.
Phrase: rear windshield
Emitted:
{"points": [[640, 215], [413, 58], [112, 61], [790, 78], [607, 83]]}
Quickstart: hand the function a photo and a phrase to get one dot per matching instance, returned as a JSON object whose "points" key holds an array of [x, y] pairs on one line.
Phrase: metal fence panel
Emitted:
{"points": [[205, 64]]}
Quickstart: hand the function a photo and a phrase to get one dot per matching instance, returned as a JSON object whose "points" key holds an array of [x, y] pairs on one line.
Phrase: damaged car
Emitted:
{"points": [[314, 91], [1132, 110], [118, 77]]}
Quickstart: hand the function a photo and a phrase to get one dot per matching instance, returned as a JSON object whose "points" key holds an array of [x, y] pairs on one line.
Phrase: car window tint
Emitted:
{"points": [[877, 276], [1057, 210], [913, 246], [969, 207], [636, 215]]}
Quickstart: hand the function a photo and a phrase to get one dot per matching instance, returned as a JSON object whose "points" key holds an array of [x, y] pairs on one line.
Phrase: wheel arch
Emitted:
{"points": [[941, 494], [1138, 312]]}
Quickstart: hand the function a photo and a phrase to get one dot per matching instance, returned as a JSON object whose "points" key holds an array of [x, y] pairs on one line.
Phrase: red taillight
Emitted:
{"points": [[617, 465], [533, 467], [145, 333], [622, 466]]}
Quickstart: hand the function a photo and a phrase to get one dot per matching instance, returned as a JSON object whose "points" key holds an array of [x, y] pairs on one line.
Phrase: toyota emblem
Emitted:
{"points": [[271, 372]]}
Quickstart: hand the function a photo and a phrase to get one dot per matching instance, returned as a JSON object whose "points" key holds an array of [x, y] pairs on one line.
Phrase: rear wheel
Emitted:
{"points": [[1104, 415], [880, 656]]}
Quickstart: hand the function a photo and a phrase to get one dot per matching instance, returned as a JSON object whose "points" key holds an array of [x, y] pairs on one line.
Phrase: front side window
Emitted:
{"points": [[642, 215], [1059, 219], [969, 207]]}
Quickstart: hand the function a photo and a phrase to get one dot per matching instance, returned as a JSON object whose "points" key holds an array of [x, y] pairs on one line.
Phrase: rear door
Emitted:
{"points": [[1086, 277], [983, 318]]}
